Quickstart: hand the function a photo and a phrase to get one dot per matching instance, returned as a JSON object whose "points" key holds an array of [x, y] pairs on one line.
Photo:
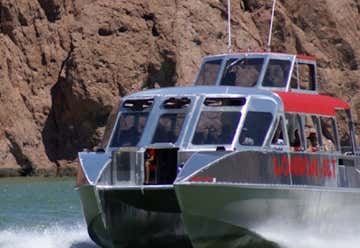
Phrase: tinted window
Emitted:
{"points": [[295, 133], [342, 122], [278, 138], [255, 128], [215, 127], [129, 129], [311, 133], [277, 73], [303, 77], [242, 72], [110, 126], [328, 133], [168, 128], [306, 76], [208, 73]]}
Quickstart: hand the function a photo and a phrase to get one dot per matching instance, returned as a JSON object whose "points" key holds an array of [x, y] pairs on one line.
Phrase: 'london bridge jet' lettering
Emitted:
{"points": [[304, 166]]}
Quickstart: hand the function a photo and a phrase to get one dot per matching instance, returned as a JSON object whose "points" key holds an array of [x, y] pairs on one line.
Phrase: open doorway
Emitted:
{"points": [[161, 166]]}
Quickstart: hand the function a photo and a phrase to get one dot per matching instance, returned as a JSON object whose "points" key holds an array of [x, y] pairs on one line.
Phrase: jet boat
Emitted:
{"points": [[251, 143]]}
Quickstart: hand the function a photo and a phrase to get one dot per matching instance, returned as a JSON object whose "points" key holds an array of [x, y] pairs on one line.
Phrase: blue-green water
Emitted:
{"points": [[41, 213], [46, 213]]}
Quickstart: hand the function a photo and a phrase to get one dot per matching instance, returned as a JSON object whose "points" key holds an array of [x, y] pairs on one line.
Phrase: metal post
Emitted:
{"points": [[229, 24], [271, 26]]}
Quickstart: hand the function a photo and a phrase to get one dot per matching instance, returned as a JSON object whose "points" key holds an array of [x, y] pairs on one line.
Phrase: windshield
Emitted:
{"points": [[242, 72], [129, 129], [277, 73], [209, 73], [110, 125], [168, 128], [255, 128], [216, 127]]}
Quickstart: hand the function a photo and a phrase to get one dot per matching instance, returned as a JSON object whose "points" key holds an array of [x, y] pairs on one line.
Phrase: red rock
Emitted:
{"points": [[64, 63]]}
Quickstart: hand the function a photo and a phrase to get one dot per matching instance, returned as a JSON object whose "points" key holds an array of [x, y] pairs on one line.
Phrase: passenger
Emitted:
{"points": [[327, 138], [328, 144], [245, 138], [278, 137], [247, 141], [313, 145], [150, 167], [296, 144]]}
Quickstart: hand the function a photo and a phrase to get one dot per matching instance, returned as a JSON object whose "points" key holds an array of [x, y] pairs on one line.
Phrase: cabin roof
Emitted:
{"points": [[311, 103], [293, 102], [202, 90], [263, 53]]}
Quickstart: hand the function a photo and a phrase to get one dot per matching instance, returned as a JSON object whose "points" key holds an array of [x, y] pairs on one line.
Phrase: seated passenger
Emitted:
{"points": [[312, 142], [328, 145], [278, 137], [296, 144], [247, 141]]}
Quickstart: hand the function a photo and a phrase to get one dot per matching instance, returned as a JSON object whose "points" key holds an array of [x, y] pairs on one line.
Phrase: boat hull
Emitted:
{"points": [[233, 215], [146, 217], [92, 214]]}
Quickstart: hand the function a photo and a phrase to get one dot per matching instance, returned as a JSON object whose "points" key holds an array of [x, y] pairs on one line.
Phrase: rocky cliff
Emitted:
{"points": [[64, 63]]}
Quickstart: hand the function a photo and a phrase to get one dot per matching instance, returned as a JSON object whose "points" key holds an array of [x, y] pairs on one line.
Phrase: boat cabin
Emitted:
{"points": [[274, 71], [157, 131]]}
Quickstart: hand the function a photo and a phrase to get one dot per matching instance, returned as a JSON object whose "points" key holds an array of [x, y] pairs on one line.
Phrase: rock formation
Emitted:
{"points": [[64, 63]]}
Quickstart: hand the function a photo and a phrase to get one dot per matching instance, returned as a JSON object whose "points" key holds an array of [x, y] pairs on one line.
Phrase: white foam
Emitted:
{"points": [[307, 238], [53, 237]]}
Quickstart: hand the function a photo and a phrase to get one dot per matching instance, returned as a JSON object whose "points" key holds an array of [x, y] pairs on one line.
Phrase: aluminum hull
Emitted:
{"points": [[92, 214], [134, 217], [234, 215]]}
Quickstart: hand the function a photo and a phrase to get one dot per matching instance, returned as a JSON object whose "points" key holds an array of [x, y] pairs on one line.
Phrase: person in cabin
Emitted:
{"points": [[312, 141], [296, 143], [150, 166]]}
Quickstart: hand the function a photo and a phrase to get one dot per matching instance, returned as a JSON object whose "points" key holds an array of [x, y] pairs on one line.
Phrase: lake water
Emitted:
{"points": [[41, 213], [45, 213]]}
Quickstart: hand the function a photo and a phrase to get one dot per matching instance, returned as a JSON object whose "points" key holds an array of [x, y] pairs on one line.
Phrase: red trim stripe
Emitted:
{"points": [[305, 57], [311, 103]]}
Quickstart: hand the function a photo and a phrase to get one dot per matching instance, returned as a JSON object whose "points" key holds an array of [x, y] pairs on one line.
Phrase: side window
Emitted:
{"points": [[168, 128], [311, 133], [216, 127], [129, 129], [342, 123], [110, 125], [303, 77], [328, 134], [209, 73], [294, 129], [277, 73], [255, 128], [294, 81], [279, 137], [242, 72]]}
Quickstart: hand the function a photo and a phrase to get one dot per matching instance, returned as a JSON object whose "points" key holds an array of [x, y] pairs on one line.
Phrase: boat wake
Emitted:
{"points": [[308, 238], [46, 237]]}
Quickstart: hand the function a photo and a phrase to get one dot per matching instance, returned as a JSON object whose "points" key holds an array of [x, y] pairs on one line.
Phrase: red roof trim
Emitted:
{"points": [[311, 103], [300, 56]]}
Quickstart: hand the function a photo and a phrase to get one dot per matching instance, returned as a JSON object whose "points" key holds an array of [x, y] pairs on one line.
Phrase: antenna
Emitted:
{"points": [[268, 48], [229, 25]]}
